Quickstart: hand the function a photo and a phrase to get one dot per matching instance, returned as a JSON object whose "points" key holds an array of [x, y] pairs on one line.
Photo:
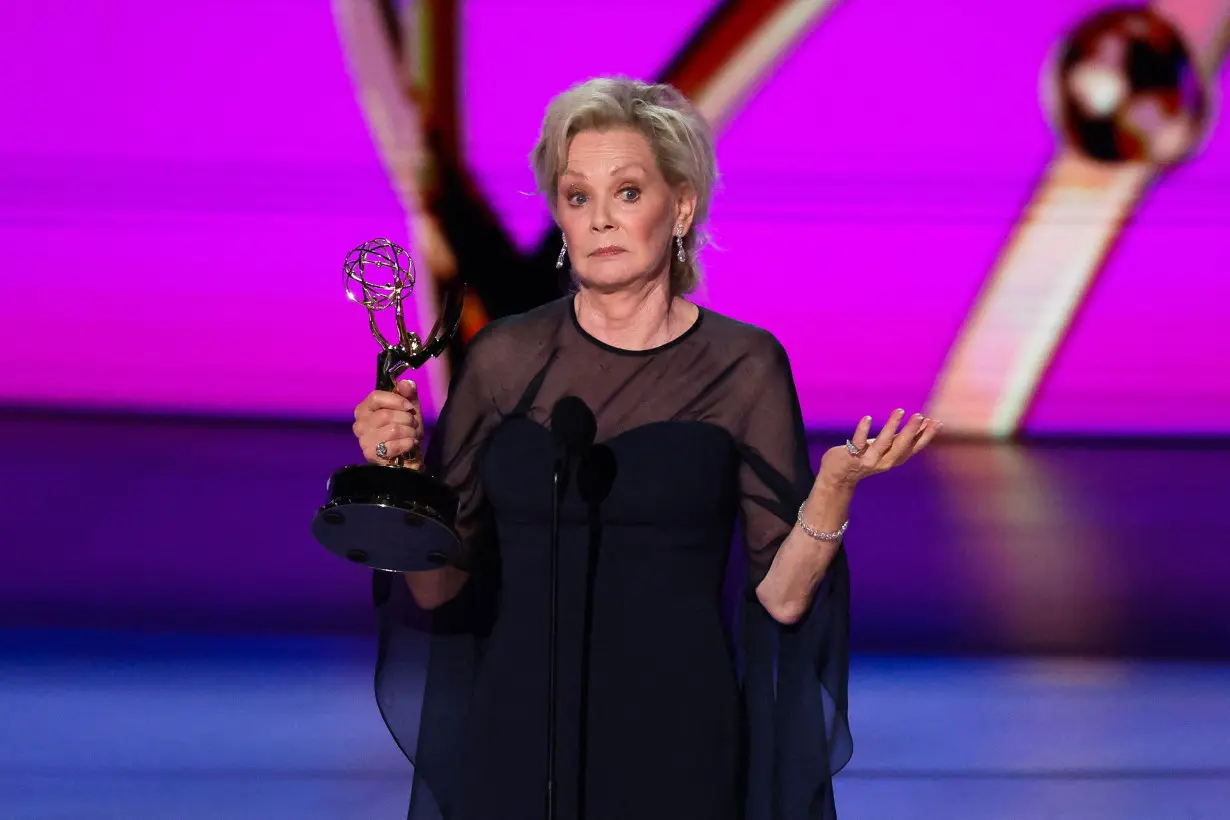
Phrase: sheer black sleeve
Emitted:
{"points": [[775, 471], [424, 704], [795, 677], [461, 430]]}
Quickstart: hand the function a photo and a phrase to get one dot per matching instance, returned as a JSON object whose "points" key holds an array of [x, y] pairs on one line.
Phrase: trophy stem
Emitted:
{"points": [[384, 370], [386, 377]]}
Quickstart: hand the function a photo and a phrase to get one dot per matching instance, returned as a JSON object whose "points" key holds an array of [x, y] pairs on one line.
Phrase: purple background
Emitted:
{"points": [[203, 526], [183, 182], [179, 185]]}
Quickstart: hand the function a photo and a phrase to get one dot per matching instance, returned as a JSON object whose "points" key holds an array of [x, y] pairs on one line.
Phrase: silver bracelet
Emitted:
{"points": [[820, 536]]}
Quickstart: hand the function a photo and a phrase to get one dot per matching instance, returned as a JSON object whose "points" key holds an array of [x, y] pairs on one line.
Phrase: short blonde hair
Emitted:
{"points": [[681, 140]]}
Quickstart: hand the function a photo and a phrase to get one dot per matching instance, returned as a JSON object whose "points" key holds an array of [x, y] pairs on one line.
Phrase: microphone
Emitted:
{"points": [[573, 428]]}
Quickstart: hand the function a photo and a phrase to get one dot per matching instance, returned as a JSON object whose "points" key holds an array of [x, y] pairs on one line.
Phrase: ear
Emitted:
{"points": [[685, 207]]}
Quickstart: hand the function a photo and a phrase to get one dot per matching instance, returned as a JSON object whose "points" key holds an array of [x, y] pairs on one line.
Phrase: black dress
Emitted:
{"points": [[698, 704]]}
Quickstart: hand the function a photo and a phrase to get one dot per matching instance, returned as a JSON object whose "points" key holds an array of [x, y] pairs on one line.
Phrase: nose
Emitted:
{"points": [[600, 220]]}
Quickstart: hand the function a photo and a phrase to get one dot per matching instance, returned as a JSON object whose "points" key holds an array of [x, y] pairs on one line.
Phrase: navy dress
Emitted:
{"points": [[672, 702]]}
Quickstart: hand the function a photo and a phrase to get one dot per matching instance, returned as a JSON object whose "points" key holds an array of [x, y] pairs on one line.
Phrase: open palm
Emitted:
{"points": [[861, 456]]}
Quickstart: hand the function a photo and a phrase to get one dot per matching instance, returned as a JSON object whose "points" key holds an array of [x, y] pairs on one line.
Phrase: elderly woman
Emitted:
{"points": [[666, 708]]}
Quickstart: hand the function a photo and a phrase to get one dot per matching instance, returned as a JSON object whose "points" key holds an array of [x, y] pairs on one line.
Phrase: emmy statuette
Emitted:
{"points": [[390, 516]]}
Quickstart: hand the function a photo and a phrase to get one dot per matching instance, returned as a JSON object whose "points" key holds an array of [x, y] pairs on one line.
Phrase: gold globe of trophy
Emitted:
{"points": [[387, 516]]}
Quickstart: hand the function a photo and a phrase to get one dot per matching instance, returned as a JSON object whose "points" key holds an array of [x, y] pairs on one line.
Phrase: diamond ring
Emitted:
{"points": [[382, 451]]}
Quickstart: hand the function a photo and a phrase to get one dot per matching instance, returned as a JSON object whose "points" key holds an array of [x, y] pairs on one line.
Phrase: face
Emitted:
{"points": [[617, 211]]}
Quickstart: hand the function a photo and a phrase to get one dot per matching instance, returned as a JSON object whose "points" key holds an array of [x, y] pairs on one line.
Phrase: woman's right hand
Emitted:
{"points": [[393, 419]]}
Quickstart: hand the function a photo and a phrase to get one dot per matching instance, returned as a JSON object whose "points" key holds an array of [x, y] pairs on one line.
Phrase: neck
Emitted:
{"points": [[637, 318]]}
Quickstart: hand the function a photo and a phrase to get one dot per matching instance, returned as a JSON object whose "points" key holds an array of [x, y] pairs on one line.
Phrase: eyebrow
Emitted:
{"points": [[569, 172]]}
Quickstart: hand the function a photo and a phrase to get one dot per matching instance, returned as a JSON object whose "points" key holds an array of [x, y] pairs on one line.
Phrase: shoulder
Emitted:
{"points": [[504, 343], [748, 344], [758, 381], [524, 327]]}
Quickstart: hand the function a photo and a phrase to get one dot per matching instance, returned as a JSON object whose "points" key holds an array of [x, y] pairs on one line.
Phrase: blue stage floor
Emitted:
{"points": [[1037, 549], [106, 726]]}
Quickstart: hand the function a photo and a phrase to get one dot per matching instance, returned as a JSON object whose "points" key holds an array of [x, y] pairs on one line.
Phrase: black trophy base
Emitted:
{"points": [[388, 518]]}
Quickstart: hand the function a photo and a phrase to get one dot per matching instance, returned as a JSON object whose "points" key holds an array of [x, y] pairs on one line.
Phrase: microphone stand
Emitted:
{"points": [[573, 427], [557, 485]]}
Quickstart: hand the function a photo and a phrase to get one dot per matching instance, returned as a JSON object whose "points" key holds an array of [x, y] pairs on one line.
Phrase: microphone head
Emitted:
{"points": [[573, 425]]}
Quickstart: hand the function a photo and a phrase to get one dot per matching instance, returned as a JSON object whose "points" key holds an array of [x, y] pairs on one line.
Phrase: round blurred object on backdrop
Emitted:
{"points": [[1125, 88]]}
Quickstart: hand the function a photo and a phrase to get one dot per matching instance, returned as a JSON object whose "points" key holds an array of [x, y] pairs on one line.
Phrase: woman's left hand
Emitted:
{"points": [[891, 448]]}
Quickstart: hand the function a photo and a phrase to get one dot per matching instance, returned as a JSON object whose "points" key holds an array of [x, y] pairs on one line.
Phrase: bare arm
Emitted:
{"points": [[801, 562], [436, 587], [799, 566], [396, 420]]}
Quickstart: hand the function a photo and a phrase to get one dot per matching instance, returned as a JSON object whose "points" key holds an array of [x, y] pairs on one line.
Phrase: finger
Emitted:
{"points": [[401, 446], [395, 425], [378, 400], [887, 433], [392, 449], [394, 432], [407, 389], [902, 445], [383, 418], [929, 430], [859, 439], [410, 391], [406, 417]]}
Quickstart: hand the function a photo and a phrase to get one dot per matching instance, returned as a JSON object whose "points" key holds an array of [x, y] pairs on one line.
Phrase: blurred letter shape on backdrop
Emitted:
{"points": [[405, 63], [1129, 95]]}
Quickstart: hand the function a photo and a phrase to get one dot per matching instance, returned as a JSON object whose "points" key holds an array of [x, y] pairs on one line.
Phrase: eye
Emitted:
{"points": [[576, 199], [630, 194]]}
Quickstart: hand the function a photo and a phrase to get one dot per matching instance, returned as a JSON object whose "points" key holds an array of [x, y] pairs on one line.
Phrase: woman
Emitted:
{"points": [[664, 710]]}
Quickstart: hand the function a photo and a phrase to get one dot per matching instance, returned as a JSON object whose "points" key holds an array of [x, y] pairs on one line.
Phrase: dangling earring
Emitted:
{"points": [[681, 255], [559, 263]]}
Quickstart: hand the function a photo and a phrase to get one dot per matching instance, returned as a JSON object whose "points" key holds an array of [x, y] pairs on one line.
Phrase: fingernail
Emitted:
{"points": [[866, 418]]}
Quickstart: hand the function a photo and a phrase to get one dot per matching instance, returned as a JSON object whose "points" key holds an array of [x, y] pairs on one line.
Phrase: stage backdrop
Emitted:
{"points": [[179, 184]]}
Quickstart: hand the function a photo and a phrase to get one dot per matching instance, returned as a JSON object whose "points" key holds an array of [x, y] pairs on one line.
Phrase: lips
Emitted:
{"points": [[609, 251]]}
